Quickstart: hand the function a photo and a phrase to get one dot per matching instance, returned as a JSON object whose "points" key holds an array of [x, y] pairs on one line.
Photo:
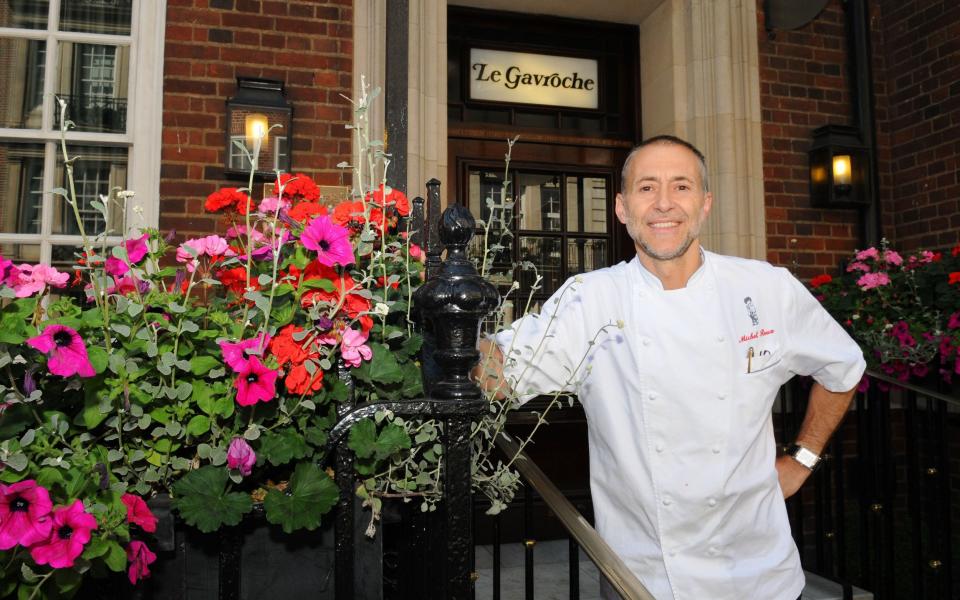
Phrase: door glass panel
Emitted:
{"points": [[485, 198], [93, 82], [22, 71], [587, 204], [21, 187], [96, 16], [545, 254], [586, 255], [20, 253], [24, 14], [100, 171], [539, 202]]}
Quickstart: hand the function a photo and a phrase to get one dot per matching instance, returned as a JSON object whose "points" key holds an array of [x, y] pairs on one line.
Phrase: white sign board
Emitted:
{"points": [[521, 78]]}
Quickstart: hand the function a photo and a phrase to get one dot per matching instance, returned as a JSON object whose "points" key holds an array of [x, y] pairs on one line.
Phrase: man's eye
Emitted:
{"points": [[646, 188], [683, 187]]}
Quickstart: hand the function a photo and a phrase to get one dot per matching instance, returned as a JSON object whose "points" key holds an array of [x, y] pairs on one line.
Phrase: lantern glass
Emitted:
{"points": [[259, 120], [839, 168]]}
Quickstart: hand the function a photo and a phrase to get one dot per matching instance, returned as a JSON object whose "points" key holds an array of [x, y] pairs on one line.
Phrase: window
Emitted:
{"points": [[559, 221], [104, 59]]}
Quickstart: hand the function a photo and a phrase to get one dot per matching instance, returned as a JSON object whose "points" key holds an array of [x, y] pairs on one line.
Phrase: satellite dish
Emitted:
{"points": [[791, 14]]}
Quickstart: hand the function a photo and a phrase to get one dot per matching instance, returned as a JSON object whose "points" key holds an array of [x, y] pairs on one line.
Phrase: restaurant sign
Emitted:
{"points": [[522, 78]]}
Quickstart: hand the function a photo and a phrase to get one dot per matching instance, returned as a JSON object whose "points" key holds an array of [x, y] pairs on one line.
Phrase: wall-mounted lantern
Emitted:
{"points": [[839, 168], [259, 120]]}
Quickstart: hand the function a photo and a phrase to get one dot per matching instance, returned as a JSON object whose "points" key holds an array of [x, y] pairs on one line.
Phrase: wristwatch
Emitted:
{"points": [[805, 456]]}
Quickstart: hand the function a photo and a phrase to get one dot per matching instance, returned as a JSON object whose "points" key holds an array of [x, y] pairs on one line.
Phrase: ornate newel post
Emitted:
{"points": [[452, 303]]}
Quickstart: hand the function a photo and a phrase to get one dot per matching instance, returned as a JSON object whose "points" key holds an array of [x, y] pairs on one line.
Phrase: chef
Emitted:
{"points": [[677, 357]]}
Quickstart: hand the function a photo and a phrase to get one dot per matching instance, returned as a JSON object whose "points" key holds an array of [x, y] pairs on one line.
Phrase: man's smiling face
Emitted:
{"points": [[664, 205]]}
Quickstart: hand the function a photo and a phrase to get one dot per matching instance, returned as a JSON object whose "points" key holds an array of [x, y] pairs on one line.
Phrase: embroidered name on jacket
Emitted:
{"points": [[756, 335]]}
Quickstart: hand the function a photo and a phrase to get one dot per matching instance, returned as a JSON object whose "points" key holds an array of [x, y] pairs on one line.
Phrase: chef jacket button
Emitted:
{"points": [[712, 501], [646, 341], [659, 448], [722, 396], [672, 554], [712, 551], [651, 396], [716, 449], [667, 501], [720, 338]]}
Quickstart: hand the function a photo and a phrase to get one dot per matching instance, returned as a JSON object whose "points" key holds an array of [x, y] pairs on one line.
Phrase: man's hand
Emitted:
{"points": [[791, 474]]}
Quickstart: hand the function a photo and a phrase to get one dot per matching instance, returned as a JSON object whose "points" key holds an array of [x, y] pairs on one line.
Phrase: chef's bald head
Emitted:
{"points": [[664, 140]]}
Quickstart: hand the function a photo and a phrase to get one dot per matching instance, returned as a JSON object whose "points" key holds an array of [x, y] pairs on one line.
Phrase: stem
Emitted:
{"points": [[36, 590]]}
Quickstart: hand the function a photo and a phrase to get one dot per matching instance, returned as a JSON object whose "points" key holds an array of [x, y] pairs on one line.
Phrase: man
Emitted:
{"points": [[686, 484]]}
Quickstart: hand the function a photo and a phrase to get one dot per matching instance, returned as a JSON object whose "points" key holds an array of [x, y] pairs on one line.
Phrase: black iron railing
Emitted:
{"points": [[879, 514]]}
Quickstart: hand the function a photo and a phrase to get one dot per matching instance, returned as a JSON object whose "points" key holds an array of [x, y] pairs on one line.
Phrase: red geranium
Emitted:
{"points": [[395, 199], [820, 280], [233, 279], [228, 198], [306, 210], [954, 277], [297, 187], [291, 356]]}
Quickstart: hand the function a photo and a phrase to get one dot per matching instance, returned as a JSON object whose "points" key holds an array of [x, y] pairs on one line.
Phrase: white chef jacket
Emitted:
{"points": [[682, 450]]}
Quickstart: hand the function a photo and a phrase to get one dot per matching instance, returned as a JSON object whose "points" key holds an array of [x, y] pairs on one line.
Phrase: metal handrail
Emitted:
{"points": [[914, 388], [612, 566]]}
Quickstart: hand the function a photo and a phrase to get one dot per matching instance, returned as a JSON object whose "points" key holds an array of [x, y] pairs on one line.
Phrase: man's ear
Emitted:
{"points": [[707, 204], [620, 209]]}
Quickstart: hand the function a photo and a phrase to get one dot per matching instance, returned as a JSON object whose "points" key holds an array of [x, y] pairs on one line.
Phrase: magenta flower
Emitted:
{"points": [[69, 533], [66, 354], [31, 279], [136, 249], [868, 253], [255, 383], [954, 321], [353, 349], [140, 558], [271, 205], [873, 280], [116, 267], [858, 266], [241, 456], [330, 241], [892, 258], [24, 514], [212, 246], [235, 353], [138, 513], [7, 270]]}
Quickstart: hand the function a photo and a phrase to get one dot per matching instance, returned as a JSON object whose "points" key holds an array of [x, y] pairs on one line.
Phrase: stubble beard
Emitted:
{"points": [[633, 229]]}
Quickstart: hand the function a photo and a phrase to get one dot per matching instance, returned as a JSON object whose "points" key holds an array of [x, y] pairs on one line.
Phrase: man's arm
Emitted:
{"points": [[489, 371], [825, 410]]}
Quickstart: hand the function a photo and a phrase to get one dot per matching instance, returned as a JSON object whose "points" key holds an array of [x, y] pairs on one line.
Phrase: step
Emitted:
{"points": [[551, 581]]}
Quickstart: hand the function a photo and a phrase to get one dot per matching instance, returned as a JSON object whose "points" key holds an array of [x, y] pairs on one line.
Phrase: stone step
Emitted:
{"points": [[551, 570]]}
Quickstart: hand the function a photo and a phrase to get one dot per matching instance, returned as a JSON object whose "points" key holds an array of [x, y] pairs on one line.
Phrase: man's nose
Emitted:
{"points": [[662, 202]]}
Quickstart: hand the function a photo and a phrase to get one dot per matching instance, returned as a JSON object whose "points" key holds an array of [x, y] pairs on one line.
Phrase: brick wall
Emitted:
{"points": [[803, 84], [307, 44], [922, 51]]}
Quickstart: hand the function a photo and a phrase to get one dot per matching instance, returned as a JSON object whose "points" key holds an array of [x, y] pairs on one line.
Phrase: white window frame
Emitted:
{"points": [[144, 118]]}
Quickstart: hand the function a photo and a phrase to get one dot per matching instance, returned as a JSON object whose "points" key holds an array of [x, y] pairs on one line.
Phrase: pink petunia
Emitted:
{"points": [[70, 532], [24, 514], [138, 513], [66, 353], [271, 205], [892, 258], [235, 353], [255, 383], [241, 456], [136, 248], [353, 348], [858, 266], [868, 253], [213, 246], [116, 267], [873, 280], [954, 321], [140, 558], [330, 241], [31, 279]]}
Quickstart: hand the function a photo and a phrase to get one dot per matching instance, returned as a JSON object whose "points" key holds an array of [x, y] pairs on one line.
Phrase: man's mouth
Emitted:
{"points": [[665, 224]]}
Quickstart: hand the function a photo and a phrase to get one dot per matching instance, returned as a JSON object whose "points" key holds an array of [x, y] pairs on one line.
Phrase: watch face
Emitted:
{"points": [[806, 457]]}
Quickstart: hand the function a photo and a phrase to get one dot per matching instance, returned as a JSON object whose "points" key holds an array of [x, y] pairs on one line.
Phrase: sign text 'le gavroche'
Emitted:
{"points": [[522, 78]]}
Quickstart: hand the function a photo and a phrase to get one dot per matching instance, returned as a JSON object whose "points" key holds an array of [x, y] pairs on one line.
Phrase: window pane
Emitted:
{"points": [[93, 82], [22, 72], [21, 187], [545, 254], [20, 253], [24, 14], [98, 172], [587, 204], [586, 255], [486, 198], [96, 16], [539, 201]]}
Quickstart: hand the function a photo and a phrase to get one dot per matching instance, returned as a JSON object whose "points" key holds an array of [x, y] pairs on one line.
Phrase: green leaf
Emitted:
{"points": [[202, 499], [200, 365], [391, 439], [198, 425], [98, 358], [382, 368], [115, 557], [311, 495], [410, 346], [281, 448], [363, 437], [412, 381]]}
